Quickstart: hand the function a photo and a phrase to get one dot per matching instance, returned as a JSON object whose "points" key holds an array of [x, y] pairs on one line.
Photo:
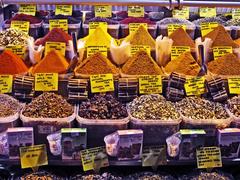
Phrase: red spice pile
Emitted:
{"points": [[136, 20], [24, 17]]}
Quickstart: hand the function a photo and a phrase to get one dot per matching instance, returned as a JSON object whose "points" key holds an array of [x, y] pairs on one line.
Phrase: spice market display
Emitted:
{"points": [[118, 91]]}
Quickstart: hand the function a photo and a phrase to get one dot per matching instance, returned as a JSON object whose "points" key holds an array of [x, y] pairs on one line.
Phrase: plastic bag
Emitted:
{"points": [[81, 49], [207, 44], [34, 55]]}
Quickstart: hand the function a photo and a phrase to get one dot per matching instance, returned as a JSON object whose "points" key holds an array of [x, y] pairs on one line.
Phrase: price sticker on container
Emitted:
{"points": [[174, 27], [33, 156], [236, 13], [46, 82], [29, 9], [21, 25], [93, 49], [234, 85], [176, 51], [181, 13], [94, 158], [17, 49], [59, 46], [207, 27], [136, 11], [134, 26], [103, 11], [136, 48], [65, 10], [58, 23], [209, 157], [207, 12], [102, 83], [154, 156], [6, 82], [94, 25], [150, 84], [220, 51], [194, 86]]}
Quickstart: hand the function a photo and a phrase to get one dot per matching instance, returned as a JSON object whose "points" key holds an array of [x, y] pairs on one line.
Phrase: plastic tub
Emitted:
{"points": [[9, 122]]}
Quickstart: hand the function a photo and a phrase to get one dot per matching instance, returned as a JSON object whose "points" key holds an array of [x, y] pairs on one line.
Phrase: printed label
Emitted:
{"points": [[181, 13], [58, 23], [103, 11], [6, 82], [59, 46], [135, 49], [29, 9], [136, 11], [207, 12], [234, 85], [208, 27], [176, 51], [21, 25], [93, 49], [102, 83], [195, 86], [221, 51], [65, 10], [46, 82], [150, 84]]}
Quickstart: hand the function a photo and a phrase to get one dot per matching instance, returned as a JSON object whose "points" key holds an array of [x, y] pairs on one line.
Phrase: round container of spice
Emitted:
{"points": [[233, 109], [234, 25]]}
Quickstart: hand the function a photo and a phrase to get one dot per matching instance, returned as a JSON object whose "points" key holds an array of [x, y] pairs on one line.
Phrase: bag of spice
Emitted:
{"points": [[233, 109]]}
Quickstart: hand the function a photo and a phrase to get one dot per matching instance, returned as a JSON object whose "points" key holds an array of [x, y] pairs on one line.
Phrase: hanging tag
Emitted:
{"points": [[207, 12], [93, 49], [102, 83], [46, 82], [134, 26], [29, 9], [19, 50], [65, 10], [195, 86], [59, 46], [103, 11], [21, 25], [181, 13], [6, 82], [58, 23], [93, 26], [176, 51], [136, 11], [136, 48], [174, 27], [154, 156], [220, 51], [234, 85], [208, 27], [150, 84], [236, 13]]}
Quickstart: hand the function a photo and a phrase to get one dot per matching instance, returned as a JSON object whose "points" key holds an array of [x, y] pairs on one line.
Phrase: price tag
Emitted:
{"points": [[94, 158], [59, 46], [182, 14], [236, 13], [29, 9], [150, 84], [136, 11], [65, 10], [154, 156], [93, 26], [234, 85], [21, 25], [220, 51], [46, 82], [58, 23], [33, 156], [6, 82], [207, 12], [208, 27], [174, 27], [135, 49], [93, 49], [102, 83], [103, 11], [209, 157], [194, 86], [17, 49], [176, 51], [134, 26]]}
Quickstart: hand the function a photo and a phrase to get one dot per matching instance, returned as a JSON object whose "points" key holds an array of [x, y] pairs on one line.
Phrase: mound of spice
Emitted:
{"points": [[136, 20], [141, 37], [96, 64], [71, 20], [104, 176], [149, 176], [153, 107], [207, 176], [184, 64], [228, 64], [219, 20], [53, 62], [102, 107], [237, 41], [55, 35], [24, 17], [198, 108], [10, 63], [234, 106], [40, 176], [167, 21], [48, 105], [181, 38], [13, 37], [8, 106], [220, 37], [141, 64], [100, 19]]}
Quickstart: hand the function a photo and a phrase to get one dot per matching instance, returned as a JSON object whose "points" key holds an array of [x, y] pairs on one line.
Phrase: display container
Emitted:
{"points": [[9, 122]]}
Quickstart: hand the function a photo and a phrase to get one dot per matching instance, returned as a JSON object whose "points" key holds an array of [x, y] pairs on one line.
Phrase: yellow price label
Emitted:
{"points": [[236, 13], [136, 11], [59, 46], [6, 82], [94, 158], [94, 25], [136, 48], [134, 26], [181, 13], [207, 27], [220, 51], [93, 49], [65, 10], [150, 84], [21, 25], [176, 51], [33, 156], [19, 50], [103, 11], [29, 9], [194, 86], [101, 83], [174, 27], [58, 23], [234, 85], [209, 157], [207, 12], [46, 82]]}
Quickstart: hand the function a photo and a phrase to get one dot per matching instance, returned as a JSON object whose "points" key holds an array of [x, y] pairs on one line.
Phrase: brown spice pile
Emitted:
{"points": [[220, 37], [237, 41], [141, 64], [96, 64], [184, 64], [228, 64], [181, 38]]}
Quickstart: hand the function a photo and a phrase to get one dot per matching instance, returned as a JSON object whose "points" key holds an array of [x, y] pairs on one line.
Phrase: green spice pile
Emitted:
{"points": [[8, 106], [48, 105], [198, 108], [13, 37], [154, 107]]}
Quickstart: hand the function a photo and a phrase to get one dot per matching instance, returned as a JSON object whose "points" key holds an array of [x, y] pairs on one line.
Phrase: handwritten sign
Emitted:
{"points": [[150, 84], [208, 27], [176, 51], [234, 85], [93, 49], [236, 13], [29, 9], [174, 27], [101, 83], [21, 25], [6, 82], [181, 13], [46, 82], [19, 50], [194, 86], [59, 46], [135, 49], [220, 51], [133, 27], [58, 23], [207, 12], [136, 11], [103, 11], [65, 10]]}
